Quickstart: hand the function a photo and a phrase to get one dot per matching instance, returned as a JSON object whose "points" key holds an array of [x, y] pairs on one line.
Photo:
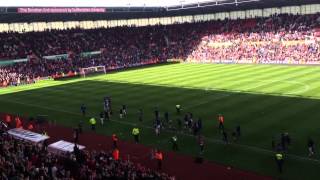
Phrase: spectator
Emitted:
{"points": [[23, 160]]}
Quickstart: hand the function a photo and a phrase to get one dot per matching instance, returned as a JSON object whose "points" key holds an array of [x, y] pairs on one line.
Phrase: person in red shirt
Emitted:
{"points": [[221, 122], [8, 119], [18, 122], [30, 127], [116, 154], [159, 158], [114, 140]]}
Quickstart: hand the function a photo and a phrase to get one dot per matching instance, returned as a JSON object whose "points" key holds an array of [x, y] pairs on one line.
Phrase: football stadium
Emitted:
{"points": [[150, 89]]}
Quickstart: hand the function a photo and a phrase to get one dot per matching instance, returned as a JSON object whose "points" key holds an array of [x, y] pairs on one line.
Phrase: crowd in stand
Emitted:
{"points": [[120, 47], [281, 38], [30, 72], [22, 160], [120, 43]]}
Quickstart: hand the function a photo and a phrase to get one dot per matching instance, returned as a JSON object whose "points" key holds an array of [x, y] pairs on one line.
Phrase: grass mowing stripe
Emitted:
{"points": [[201, 89], [148, 127], [266, 81]]}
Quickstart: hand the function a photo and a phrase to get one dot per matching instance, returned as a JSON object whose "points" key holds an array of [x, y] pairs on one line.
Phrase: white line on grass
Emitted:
{"points": [[216, 141]]}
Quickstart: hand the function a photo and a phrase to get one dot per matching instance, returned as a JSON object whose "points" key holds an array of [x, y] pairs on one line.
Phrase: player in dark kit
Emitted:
{"points": [[199, 125], [115, 140], [311, 147], [273, 143], [156, 113], [179, 123], [140, 114], [174, 141], [83, 109], [124, 110], [234, 136], [238, 131], [186, 121], [80, 126], [166, 117], [225, 137], [106, 115]]}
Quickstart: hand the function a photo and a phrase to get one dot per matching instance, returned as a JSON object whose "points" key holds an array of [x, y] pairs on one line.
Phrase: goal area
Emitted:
{"points": [[92, 70]]}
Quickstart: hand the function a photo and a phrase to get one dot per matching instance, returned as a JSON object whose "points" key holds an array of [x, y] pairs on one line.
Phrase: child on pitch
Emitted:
{"points": [[311, 147], [102, 118], [121, 113], [157, 129], [178, 108], [124, 110]]}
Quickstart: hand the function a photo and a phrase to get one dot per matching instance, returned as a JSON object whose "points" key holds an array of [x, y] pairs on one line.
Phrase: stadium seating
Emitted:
{"points": [[288, 39], [279, 39]]}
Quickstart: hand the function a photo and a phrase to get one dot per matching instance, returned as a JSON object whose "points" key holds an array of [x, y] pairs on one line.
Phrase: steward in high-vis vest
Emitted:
{"points": [[135, 133], [93, 123], [279, 160]]}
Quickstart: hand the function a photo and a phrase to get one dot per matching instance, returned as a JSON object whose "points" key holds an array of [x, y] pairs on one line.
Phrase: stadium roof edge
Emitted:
{"points": [[9, 15], [109, 3]]}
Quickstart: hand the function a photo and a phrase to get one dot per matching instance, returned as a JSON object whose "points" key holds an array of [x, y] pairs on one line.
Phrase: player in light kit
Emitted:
{"points": [[107, 107]]}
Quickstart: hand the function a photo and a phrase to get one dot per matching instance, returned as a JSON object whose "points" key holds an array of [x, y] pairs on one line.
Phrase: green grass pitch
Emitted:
{"points": [[264, 99]]}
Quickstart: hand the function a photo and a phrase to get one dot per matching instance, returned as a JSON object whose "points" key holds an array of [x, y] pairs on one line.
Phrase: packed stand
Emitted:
{"points": [[22, 160], [120, 47], [120, 43], [30, 72], [289, 39], [285, 39]]}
